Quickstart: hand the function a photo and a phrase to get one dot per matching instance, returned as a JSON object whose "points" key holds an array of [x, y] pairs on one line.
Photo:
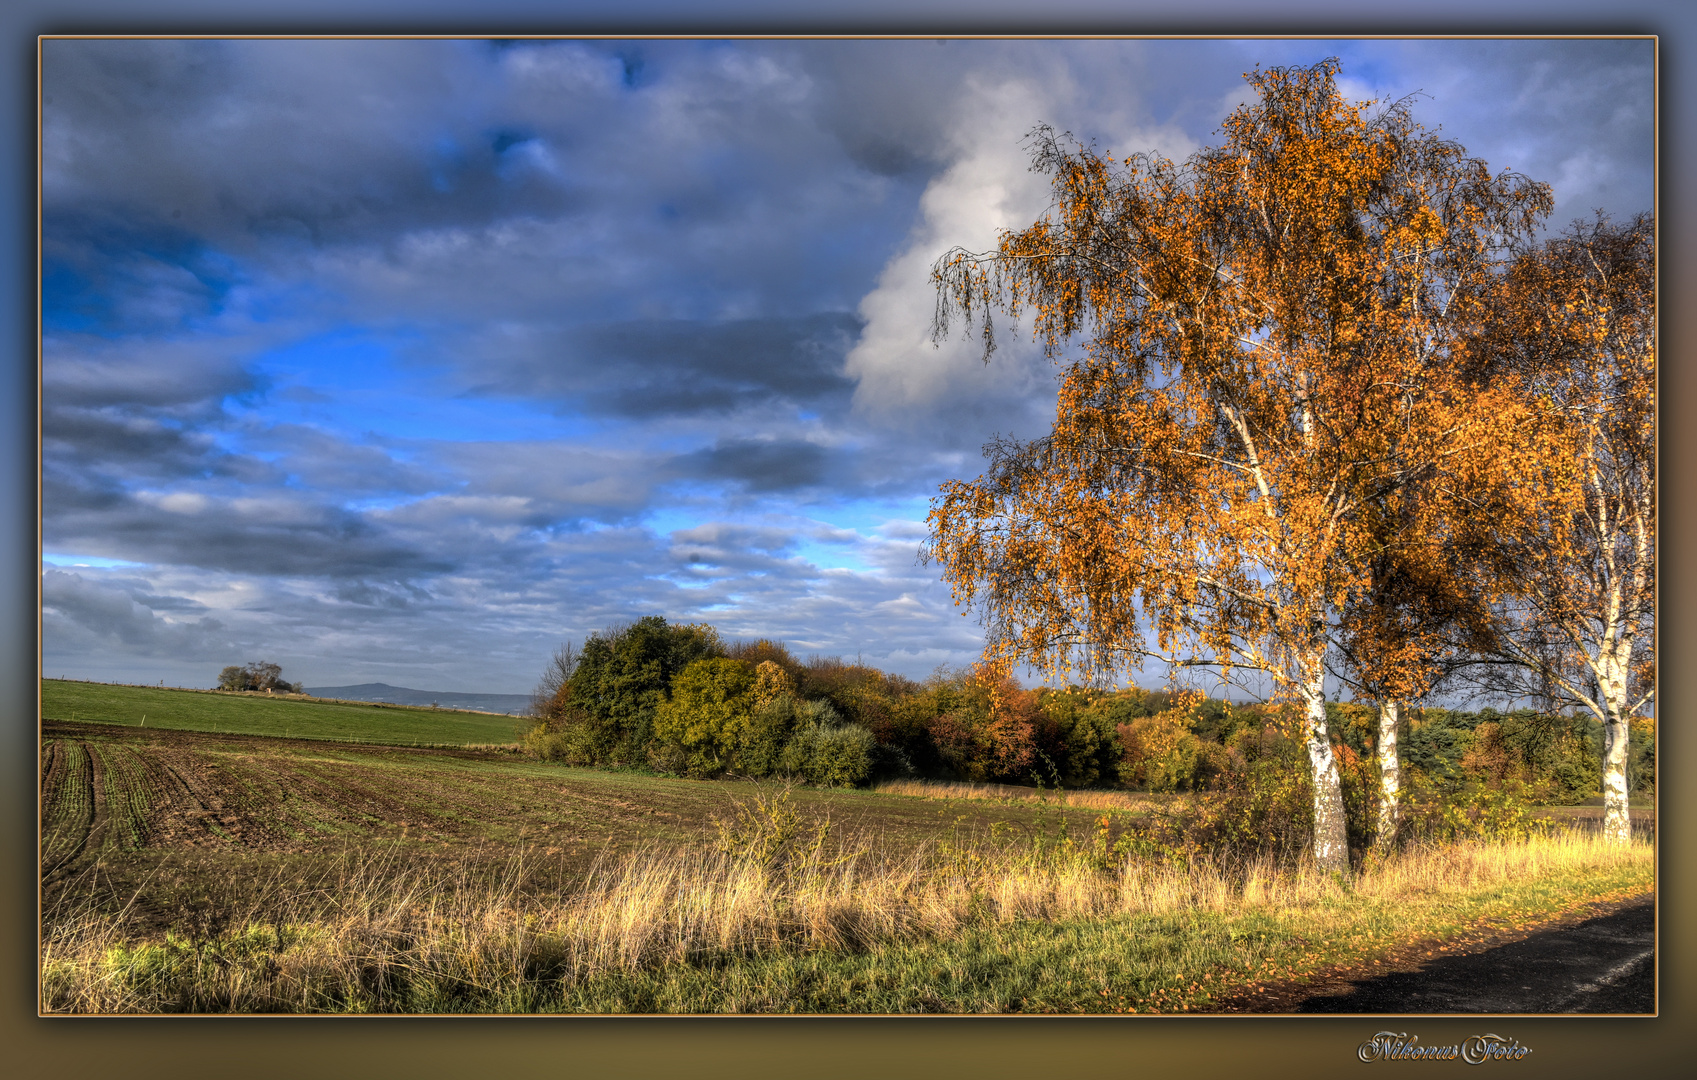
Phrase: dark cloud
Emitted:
{"points": [[538, 485], [397, 595], [725, 544], [154, 602], [762, 465], [650, 369], [332, 466], [271, 536], [140, 447], [887, 109], [708, 169], [78, 610], [111, 276], [182, 377], [243, 141]]}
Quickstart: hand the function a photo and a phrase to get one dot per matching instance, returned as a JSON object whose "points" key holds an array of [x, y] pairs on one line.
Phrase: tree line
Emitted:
{"points": [[679, 699], [1329, 410]]}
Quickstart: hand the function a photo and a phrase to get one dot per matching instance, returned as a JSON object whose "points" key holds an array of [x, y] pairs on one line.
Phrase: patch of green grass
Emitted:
{"points": [[251, 714], [125, 795], [1184, 960]]}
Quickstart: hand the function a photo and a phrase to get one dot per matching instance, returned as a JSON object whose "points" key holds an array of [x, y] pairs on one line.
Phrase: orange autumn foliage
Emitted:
{"points": [[1268, 333], [1573, 613]]}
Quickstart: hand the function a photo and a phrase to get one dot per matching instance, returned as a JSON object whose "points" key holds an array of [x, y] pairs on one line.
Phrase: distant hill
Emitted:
{"points": [[511, 704]]}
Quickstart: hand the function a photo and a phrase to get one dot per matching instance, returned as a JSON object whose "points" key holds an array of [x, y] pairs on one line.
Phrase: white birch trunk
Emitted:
{"points": [[1617, 820], [1331, 842], [1390, 776]]}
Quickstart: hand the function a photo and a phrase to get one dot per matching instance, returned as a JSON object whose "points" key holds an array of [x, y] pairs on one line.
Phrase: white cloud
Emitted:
{"points": [[986, 188]]}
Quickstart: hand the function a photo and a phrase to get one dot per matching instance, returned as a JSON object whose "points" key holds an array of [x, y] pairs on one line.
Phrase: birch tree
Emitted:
{"points": [[1265, 335], [1398, 629], [1573, 615]]}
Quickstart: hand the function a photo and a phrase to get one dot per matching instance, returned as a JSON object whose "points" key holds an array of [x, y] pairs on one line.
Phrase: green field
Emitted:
{"points": [[250, 714]]}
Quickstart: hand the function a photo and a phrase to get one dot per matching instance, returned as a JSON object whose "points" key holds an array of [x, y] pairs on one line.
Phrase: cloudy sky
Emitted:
{"points": [[404, 361]]}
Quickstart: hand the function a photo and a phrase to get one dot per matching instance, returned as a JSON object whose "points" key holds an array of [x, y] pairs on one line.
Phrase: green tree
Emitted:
{"points": [[760, 750], [708, 715], [827, 751], [257, 675], [622, 676]]}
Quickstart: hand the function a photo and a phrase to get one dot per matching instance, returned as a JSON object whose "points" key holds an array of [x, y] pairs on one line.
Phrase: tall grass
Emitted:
{"points": [[1082, 800], [388, 936]]}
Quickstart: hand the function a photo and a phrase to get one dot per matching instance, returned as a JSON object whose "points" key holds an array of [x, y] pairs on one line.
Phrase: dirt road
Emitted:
{"points": [[1605, 964]]}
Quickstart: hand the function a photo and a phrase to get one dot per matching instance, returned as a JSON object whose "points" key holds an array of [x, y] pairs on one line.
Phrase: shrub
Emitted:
{"points": [[764, 651], [890, 762], [902, 728], [708, 714], [979, 731], [568, 742], [1079, 737], [1263, 803], [1362, 785], [668, 758], [1488, 757], [827, 752], [1473, 810], [1161, 753], [859, 693], [1435, 742], [760, 750], [1575, 771]]}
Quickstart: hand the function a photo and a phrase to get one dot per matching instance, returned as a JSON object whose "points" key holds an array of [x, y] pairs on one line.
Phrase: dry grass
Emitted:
{"points": [[1081, 800], [414, 940]]}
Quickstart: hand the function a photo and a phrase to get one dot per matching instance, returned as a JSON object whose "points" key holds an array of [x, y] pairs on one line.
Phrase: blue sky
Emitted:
{"points": [[404, 361]]}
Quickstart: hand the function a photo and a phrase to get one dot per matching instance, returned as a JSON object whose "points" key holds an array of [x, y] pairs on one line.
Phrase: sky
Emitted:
{"points": [[406, 361]]}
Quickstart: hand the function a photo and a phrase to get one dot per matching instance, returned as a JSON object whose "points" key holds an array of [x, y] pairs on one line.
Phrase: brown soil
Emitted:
{"points": [[163, 821]]}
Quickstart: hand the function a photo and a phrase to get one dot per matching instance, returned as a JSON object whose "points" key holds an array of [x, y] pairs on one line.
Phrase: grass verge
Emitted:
{"points": [[780, 920]]}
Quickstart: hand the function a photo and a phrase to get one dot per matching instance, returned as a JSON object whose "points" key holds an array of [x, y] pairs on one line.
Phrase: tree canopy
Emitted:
{"points": [[256, 675], [1572, 613], [620, 677], [1270, 353]]}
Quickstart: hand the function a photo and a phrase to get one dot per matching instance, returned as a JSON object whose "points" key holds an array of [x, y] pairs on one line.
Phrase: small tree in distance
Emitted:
{"points": [[257, 675]]}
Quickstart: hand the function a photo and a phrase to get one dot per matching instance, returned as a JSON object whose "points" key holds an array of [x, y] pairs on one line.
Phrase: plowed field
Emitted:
{"points": [[125, 810]]}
